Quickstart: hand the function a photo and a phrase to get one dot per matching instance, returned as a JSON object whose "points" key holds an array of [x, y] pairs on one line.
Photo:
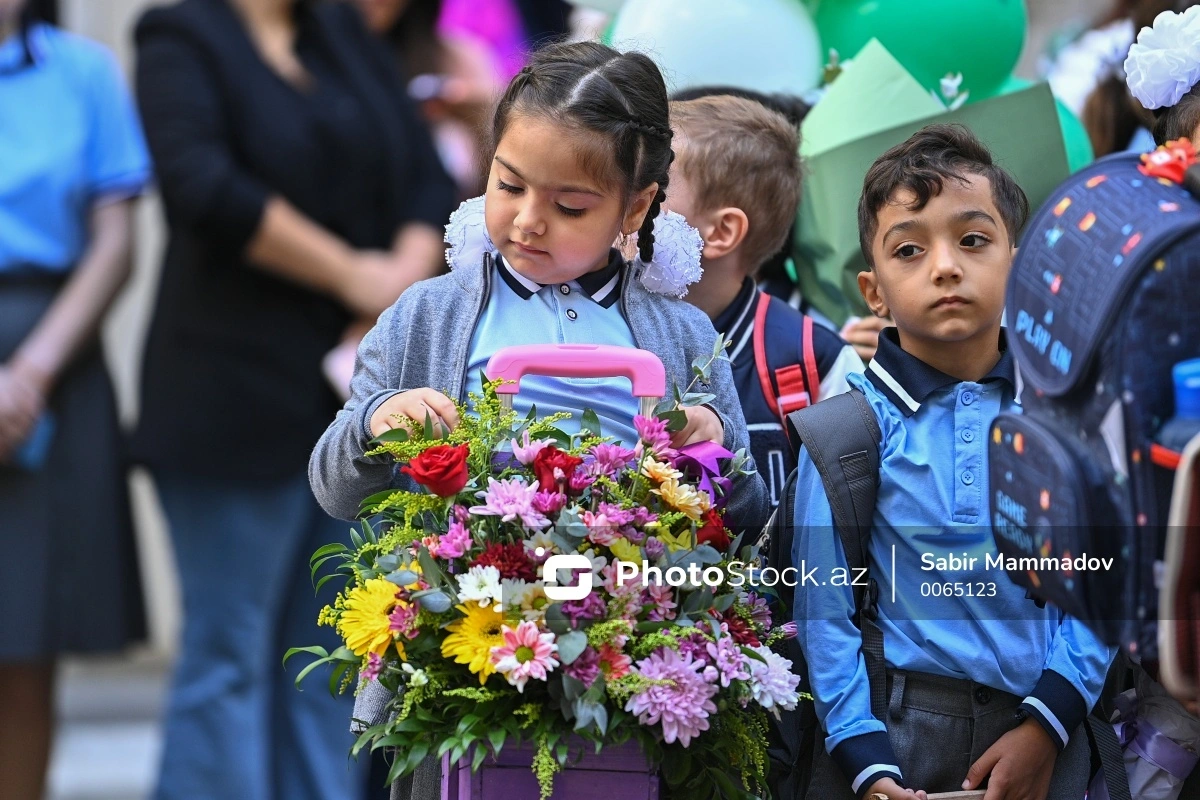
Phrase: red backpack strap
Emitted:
{"points": [[813, 376], [790, 390], [760, 353]]}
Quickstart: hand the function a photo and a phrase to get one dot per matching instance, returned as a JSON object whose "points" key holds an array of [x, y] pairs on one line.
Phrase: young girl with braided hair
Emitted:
{"points": [[582, 148]]}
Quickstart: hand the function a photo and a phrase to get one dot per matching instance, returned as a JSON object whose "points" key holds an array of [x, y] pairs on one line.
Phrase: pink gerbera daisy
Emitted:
{"points": [[526, 653]]}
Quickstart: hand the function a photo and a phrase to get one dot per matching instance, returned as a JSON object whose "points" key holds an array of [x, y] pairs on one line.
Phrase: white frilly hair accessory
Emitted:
{"points": [[675, 265], [1164, 64]]}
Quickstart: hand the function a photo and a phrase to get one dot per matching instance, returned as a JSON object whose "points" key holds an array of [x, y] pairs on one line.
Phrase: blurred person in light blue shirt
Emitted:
{"points": [[72, 162]]}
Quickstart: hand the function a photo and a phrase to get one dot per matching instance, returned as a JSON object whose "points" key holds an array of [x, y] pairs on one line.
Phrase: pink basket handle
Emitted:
{"points": [[643, 369]]}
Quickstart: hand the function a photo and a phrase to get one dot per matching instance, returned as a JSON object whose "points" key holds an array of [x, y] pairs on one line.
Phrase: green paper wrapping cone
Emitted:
{"points": [[874, 105]]}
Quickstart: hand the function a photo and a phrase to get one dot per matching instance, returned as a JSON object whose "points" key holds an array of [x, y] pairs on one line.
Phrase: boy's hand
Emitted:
{"points": [[1021, 763], [703, 425], [886, 787], [863, 335], [415, 404]]}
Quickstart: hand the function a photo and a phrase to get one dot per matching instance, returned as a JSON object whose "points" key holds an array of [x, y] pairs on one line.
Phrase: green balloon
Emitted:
{"points": [[1075, 137], [982, 39]]}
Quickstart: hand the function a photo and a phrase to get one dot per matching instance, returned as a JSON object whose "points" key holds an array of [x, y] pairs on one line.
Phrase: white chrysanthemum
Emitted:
{"points": [[773, 684], [529, 599], [467, 235], [545, 541], [676, 261], [1164, 64], [481, 584]]}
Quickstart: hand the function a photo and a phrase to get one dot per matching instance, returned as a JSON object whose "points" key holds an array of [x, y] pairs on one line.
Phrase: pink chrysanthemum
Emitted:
{"points": [[662, 597], [526, 450], [608, 460], [373, 667], [455, 542], [585, 668], [548, 503], [682, 706], [728, 662], [601, 530], [588, 609], [403, 620], [511, 500], [526, 653], [654, 548], [653, 432]]}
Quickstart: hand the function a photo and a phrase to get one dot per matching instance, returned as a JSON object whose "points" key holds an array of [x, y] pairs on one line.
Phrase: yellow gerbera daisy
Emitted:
{"points": [[626, 551], [659, 472], [683, 498], [683, 541], [364, 622], [472, 638]]}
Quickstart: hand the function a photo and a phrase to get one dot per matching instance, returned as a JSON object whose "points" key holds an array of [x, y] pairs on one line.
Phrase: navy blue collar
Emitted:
{"points": [[736, 322], [907, 380], [603, 286]]}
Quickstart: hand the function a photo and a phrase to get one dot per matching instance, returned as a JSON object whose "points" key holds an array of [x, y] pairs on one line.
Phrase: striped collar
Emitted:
{"points": [[603, 286], [907, 380], [736, 322]]}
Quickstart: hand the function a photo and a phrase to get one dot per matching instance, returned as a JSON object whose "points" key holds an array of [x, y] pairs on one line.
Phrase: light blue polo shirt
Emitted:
{"points": [[69, 135], [932, 501], [583, 311]]}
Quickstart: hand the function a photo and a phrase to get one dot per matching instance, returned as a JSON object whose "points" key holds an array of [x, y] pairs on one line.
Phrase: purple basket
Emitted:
{"points": [[617, 772]]}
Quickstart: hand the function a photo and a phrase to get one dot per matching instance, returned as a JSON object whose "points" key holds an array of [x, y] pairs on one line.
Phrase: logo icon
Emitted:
{"points": [[570, 561]]}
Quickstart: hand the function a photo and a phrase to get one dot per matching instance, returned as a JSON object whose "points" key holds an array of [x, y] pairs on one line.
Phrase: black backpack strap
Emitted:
{"points": [[1112, 757], [841, 436]]}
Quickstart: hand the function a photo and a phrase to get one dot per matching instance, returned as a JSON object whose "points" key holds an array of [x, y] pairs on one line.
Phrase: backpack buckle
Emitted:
{"points": [[870, 601]]}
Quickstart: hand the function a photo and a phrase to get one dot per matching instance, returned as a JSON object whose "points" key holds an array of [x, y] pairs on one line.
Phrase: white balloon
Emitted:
{"points": [[607, 6], [765, 45]]}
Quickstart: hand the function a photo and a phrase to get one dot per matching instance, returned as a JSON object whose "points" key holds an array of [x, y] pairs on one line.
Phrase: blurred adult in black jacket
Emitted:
{"points": [[302, 192]]}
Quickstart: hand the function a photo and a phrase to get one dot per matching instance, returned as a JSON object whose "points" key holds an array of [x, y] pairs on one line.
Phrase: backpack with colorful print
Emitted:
{"points": [[1104, 298]]}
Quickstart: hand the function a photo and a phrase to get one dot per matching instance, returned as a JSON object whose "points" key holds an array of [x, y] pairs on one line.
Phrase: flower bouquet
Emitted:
{"points": [[559, 592]]}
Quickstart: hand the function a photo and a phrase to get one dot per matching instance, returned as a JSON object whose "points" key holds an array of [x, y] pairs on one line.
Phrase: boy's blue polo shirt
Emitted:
{"points": [[933, 502], [583, 311], [69, 135]]}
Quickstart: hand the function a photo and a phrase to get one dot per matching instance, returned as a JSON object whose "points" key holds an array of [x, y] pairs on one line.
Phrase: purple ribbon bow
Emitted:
{"points": [[700, 460], [1152, 745]]}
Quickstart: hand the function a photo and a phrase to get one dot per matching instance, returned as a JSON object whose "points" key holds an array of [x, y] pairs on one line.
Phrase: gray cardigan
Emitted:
{"points": [[424, 340]]}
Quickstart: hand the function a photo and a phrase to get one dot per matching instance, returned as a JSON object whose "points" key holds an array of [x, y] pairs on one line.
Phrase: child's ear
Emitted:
{"points": [[868, 285], [729, 227], [636, 215]]}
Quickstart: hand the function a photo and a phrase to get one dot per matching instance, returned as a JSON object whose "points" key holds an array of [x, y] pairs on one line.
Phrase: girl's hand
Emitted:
{"points": [[703, 425], [415, 404], [888, 789], [20, 405]]}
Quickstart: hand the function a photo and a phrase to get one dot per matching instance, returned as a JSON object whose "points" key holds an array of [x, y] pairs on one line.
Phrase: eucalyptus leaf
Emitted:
{"points": [[698, 601], [723, 603], [697, 399], [676, 420], [403, 577], [436, 602], [590, 423], [429, 568], [573, 688], [571, 527], [556, 621], [571, 646]]}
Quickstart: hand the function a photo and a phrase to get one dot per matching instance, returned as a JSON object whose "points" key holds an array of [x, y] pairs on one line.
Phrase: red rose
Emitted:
{"points": [[442, 469], [545, 464], [713, 531]]}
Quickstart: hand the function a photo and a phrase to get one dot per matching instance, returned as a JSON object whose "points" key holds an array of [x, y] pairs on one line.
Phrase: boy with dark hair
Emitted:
{"points": [[979, 682], [736, 178]]}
